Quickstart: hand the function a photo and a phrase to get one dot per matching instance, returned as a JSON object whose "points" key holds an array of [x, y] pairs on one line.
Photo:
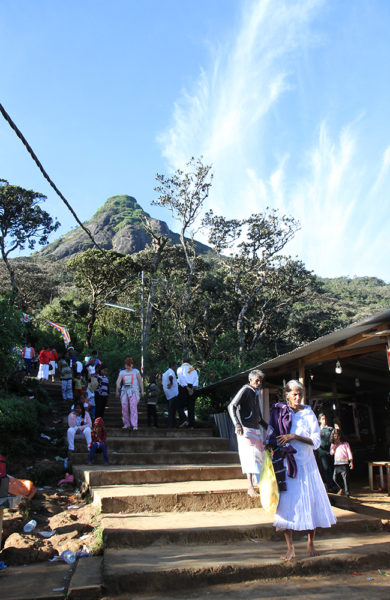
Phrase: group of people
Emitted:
{"points": [[47, 361], [334, 457], [179, 385], [87, 386], [293, 434]]}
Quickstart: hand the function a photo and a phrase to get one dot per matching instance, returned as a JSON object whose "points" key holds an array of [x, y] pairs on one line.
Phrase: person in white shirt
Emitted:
{"points": [[171, 391], [188, 380]]}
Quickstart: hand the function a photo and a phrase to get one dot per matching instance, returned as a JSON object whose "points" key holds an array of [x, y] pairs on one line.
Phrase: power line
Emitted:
{"points": [[42, 170]]}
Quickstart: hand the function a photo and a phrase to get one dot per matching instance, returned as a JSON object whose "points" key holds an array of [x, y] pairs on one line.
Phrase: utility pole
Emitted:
{"points": [[142, 324]]}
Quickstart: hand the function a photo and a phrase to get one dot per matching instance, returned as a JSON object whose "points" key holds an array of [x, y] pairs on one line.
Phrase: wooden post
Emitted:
{"points": [[265, 404], [301, 366]]}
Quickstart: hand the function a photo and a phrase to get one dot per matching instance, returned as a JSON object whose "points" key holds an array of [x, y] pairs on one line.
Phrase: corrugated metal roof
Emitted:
{"points": [[320, 343]]}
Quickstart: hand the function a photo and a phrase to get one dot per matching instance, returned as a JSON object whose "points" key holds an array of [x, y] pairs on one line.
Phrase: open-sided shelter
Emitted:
{"points": [[346, 375]]}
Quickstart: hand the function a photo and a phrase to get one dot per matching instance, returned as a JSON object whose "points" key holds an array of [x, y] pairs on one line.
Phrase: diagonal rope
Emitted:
{"points": [[46, 176]]}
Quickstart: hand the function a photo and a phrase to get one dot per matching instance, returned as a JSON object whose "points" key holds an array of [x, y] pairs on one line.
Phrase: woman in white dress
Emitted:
{"points": [[304, 506]]}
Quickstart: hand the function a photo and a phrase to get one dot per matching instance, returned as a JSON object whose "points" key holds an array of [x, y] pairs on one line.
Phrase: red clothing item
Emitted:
{"points": [[32, 352], [101, 435], [44, 357], [53, 355]]}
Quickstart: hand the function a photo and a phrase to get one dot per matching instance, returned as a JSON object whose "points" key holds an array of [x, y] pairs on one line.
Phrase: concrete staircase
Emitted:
{"points": [[177, 516]]}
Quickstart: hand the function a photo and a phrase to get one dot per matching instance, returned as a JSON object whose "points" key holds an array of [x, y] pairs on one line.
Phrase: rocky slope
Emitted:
{"points": [[117, 225]]}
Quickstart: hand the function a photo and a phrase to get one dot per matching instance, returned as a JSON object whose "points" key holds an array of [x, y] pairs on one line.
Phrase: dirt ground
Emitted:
{"points": [[74, 522], [54, 508]]}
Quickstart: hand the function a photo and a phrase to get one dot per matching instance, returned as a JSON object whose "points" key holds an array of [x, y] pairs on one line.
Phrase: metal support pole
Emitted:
{"points": [[142, 324]]}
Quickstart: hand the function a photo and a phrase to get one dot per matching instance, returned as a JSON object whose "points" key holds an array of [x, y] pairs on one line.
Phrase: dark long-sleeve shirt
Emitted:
{"points": [[244, 409]]}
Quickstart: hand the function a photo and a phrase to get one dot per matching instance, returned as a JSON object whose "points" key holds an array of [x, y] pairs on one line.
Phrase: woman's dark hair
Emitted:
{"points": [[339, 433], [80, 405]]}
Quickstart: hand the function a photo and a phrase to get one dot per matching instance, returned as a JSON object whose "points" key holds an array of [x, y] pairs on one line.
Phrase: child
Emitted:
{"points": [[151, 400], [79, 384], [92, 386], [341, 451], [102, 392], [98, 443]]}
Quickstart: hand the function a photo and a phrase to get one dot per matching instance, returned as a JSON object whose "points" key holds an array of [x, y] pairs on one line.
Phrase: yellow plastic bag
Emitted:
{"points": [[268, 486]]}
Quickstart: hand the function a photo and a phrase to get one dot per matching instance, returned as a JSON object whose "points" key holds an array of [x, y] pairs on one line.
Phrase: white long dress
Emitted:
{"points": [[305, 504]]}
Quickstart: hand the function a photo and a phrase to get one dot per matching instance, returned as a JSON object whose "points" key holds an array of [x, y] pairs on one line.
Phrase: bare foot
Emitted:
{"points": [[311, 550], [290, 554], [252, 493]]}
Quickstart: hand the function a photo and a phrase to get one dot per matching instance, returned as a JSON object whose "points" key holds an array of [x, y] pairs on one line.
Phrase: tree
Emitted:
{"points": [[254, 258], [22, 223], [101, 275], [184, 193], [11, 327]]}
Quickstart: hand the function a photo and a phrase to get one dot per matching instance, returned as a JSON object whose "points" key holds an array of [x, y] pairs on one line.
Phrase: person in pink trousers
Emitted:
{"points": [[130, 388]]}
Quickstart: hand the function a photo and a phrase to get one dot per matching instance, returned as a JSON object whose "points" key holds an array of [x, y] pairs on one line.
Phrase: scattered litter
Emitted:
{"points": [[30, 526], [69, 557], [356, 573], [29, 468], [383, 573], [84, 537], [73, 507], [46, 437], [47, 534], [370, 578], [2, 565], [255, 541], [58, 589], [31, 397], [55, 558], [67, 479]]}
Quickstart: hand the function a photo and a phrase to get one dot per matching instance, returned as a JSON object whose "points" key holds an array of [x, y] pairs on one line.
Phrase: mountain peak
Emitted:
{"points": [[117, 225]]}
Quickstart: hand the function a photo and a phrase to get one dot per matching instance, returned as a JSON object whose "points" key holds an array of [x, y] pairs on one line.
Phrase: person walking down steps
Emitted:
{"points": [[130, 388]]}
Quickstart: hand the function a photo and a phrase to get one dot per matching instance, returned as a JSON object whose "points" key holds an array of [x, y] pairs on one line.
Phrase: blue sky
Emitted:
{"points": [[288, 100]]}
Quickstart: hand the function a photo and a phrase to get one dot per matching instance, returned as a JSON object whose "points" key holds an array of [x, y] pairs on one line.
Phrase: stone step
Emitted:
{"points": [[38, 581], [162, 444], [86, 582], [96, 475], [158, 458], [173, 496], [160, 432], [158, 568], [144, 529]]}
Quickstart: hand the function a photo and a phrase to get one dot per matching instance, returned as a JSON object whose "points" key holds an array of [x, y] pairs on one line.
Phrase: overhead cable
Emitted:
{"points": [[46, 176]]}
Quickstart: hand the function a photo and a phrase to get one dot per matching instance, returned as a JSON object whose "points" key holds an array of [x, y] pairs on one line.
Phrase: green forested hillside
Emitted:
{"points": [[229, 306]]}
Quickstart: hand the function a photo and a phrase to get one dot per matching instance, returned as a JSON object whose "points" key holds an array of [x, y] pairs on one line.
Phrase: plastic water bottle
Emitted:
{"points": [[30, 526], [69, 557]]}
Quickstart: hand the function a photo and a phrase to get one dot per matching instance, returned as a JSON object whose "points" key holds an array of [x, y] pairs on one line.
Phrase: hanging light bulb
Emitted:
{"points": [[311, 375], [357, 382], [338, 368]]}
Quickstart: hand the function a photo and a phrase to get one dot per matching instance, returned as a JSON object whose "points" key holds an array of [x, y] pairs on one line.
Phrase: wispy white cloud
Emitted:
{"points": [[222, 115], [237, 117]]}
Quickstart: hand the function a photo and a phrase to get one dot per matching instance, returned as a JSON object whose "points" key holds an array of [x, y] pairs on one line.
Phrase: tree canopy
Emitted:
{"points": [[22, 223]]}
